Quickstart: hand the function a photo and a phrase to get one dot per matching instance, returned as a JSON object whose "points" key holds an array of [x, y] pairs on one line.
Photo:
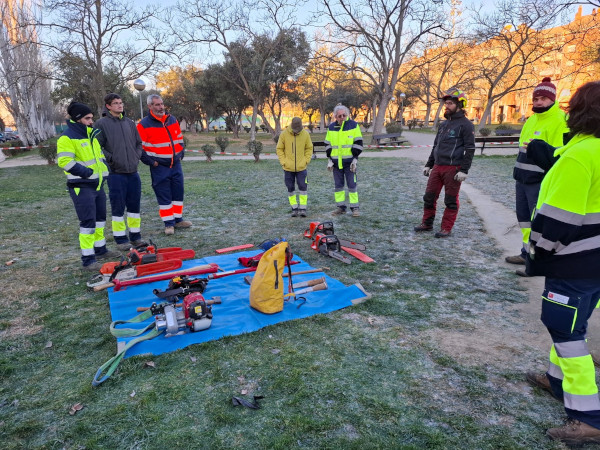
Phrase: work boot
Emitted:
{"points": [[517, 259], [109, 255], [124, 247], [574, 432], [183, 224], [423, 227], [540, 380], [443, 234], [139, 243], [339, 212], [522, 273], [302, 212], [169, 230], [294, 212], [93, 267], [355, 212]]}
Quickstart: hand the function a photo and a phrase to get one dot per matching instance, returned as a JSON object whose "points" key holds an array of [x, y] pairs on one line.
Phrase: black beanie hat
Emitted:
{"points": [[78, 110]]}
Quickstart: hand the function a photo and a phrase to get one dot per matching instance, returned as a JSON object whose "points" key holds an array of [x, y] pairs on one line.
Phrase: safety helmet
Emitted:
{"points": [[456, 94]]}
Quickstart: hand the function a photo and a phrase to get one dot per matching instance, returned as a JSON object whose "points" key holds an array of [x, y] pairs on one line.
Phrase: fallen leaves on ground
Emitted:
{"points": [[149, 364], [76, 407]]}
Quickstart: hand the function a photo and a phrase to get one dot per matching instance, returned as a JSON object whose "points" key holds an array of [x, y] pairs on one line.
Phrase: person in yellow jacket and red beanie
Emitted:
{"points": [[163, 150], [80, 156], [548, 124], [564, 246], [294, 150]]}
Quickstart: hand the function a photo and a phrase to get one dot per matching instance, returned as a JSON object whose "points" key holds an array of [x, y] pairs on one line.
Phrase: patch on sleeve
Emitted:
{"points": [[558, 298]]}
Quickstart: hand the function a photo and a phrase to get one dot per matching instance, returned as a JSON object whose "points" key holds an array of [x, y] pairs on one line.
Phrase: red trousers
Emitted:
{"points": [[442, 176]]}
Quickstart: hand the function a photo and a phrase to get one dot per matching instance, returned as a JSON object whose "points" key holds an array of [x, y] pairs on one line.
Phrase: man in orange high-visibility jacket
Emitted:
{"points": [[163, 150]]}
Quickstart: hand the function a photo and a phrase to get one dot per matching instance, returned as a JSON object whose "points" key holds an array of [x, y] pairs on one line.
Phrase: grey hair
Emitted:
{"points": [[151, 98], [339, 107]]}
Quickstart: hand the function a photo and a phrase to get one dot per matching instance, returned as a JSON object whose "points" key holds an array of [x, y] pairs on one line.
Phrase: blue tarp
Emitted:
{"points": [[234, 315]]}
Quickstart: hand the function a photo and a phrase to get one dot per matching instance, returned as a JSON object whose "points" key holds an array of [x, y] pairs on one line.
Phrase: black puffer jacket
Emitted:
{"points": [[454, 143], [120, 142]]}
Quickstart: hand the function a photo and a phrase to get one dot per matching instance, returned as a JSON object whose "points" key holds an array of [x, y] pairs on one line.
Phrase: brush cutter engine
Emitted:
{"points": [[196, 315]]}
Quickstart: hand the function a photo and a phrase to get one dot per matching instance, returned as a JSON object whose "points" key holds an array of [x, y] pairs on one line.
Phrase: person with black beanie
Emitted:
{"points": [[80, 156]]}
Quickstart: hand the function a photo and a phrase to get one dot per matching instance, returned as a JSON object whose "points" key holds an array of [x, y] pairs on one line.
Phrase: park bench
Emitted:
{"points": [[506, 141], [318, 147], [393, 139]]}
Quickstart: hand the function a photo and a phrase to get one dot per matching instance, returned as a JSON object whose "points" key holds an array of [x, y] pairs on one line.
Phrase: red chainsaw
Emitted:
{"points": [[326, 242]]}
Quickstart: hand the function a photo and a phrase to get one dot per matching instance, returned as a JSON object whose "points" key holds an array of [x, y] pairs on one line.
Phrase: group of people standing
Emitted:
{"points": [[343, 145], [110, 153], [557, 185], [557, 174]]}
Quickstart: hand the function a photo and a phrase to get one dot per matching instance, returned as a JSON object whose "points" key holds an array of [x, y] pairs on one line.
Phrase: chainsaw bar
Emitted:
{"points": [[351, 244], [123, 273], [330, 245]]}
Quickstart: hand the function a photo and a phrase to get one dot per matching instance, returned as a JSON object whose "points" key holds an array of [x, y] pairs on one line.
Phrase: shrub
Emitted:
{"points": [[222, 142], [393, 128], [255, 147], [48, 153], [485, 131], [209, 150], [503, 127]]}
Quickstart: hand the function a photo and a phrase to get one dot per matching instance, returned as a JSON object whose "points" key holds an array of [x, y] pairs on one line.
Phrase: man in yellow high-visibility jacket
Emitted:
{"points": [[548, 124], [80, 156], [343, 144]]}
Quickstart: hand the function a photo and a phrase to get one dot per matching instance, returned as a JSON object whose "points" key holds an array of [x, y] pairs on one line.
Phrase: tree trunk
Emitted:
{"points": [[266, 123], [436, 120], [379, 121], [322, 119], [486, 116], [427, 114], [253, 121]]}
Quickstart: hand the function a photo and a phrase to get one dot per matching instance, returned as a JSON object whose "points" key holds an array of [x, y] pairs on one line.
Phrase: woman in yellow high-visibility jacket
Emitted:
{"points": [[564, 246], [343, 144]]}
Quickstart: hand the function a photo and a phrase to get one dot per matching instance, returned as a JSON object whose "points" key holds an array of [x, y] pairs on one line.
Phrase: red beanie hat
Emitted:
{"points": [[546, 88]]}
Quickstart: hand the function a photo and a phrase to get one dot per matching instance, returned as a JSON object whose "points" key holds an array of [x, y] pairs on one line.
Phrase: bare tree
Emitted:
{"points": [[24, 87], [439, 68], [106, 34], [375, 38], [511, 41], [250, 33]]}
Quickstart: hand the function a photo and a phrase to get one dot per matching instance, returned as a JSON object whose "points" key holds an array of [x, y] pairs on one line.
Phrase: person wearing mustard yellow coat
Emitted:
{"points": [[294, 150]]}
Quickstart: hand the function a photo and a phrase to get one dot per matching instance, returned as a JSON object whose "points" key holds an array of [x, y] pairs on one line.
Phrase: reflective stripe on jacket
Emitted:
{"points": [[565, 229], [162, 140], [294, 150], [343, 141], [549, 126], [80, 156]]}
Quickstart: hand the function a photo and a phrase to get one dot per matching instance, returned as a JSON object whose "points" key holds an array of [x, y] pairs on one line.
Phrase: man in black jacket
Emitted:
{"points": [[448, 163], [122, 147]]}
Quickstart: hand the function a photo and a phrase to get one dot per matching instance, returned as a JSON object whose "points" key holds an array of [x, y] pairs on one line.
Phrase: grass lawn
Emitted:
{"points": [[370, 376]]}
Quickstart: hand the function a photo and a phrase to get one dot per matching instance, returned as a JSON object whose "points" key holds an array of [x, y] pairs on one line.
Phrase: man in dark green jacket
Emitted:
{"points": [[122, 147]]}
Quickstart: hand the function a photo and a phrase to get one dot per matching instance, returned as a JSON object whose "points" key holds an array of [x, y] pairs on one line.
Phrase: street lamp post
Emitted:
{"points": [[139, 85], [402, 97]]}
